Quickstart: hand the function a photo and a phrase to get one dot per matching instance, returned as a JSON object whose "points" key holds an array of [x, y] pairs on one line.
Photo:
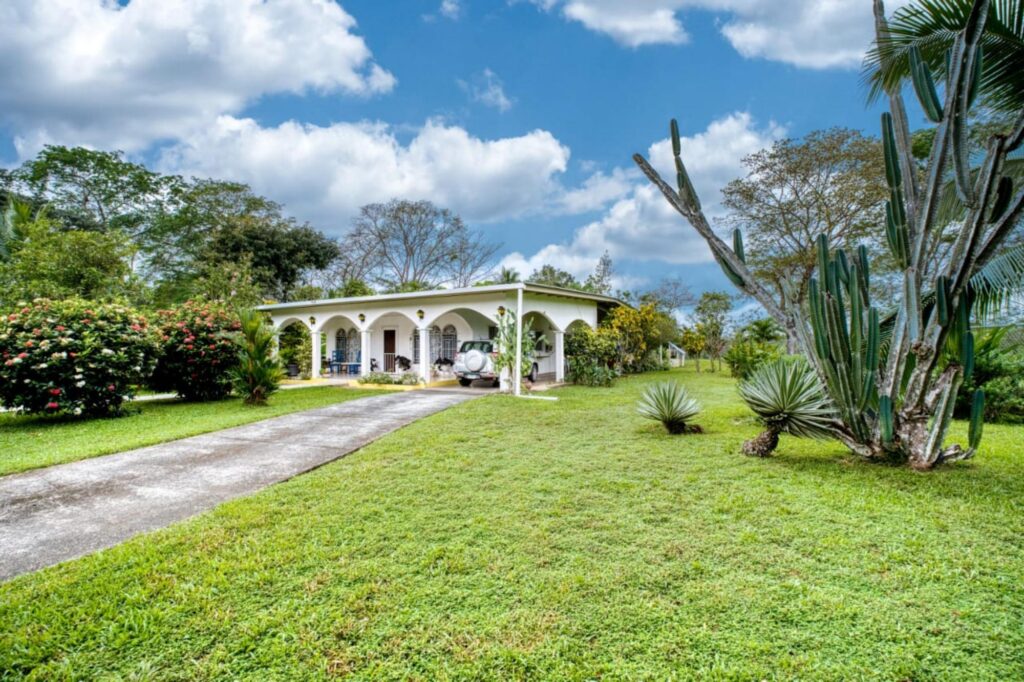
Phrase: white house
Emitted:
{"points": [[428, 326]]}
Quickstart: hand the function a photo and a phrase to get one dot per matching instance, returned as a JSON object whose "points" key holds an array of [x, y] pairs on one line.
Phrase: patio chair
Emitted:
{"points": [[355, 366], [337, 361]]}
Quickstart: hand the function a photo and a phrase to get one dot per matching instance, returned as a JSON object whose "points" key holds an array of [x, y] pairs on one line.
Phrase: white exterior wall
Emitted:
{"points": [[403, 314]]}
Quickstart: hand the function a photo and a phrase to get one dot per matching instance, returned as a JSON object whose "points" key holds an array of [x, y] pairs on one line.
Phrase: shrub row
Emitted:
{"points": [[77, 357]]}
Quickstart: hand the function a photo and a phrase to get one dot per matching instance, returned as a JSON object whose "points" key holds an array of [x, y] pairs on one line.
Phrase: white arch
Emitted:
{"points": [[286, 321], [372, 319], [323, 325]]}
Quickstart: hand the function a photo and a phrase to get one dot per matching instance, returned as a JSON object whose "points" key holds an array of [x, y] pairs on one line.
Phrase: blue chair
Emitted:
{"points": [[355, 366], [337, 360]]}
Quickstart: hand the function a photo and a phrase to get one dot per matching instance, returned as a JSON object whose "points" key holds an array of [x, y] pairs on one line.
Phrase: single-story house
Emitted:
{"points": [[428, 327]]}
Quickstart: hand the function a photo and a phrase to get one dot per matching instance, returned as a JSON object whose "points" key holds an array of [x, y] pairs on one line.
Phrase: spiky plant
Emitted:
{"points": [[893, 399], [258, 373], [787, 398], [670, 404]]}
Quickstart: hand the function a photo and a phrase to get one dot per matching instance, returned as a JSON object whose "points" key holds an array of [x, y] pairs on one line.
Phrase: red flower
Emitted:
{"points": [[54, 391], [111, 388], [22, 355], [29, 344], [52, 406], [60, 327]]}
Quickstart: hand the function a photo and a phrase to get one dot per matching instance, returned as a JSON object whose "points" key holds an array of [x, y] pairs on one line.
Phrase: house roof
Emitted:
{"points": [[440, 293]]}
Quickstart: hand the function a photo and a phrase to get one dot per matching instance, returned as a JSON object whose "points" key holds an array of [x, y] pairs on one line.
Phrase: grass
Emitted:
{"points": [[518, 539], [32, 442]]}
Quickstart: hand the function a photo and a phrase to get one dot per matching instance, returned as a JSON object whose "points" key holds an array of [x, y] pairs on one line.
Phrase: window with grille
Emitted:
{"points": [[449, 343], [341, 345]]}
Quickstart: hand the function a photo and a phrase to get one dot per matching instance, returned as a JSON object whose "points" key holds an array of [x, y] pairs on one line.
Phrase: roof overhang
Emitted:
{"points": [[442, 293]]}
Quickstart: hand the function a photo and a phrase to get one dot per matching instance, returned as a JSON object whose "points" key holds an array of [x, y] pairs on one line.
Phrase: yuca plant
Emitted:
{"points": [[893, 400], [787, 398], [670, 404], [258, 373]]}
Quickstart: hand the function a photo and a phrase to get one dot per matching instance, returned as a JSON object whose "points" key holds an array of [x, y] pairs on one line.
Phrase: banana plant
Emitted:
{"points": [[893, 400]]}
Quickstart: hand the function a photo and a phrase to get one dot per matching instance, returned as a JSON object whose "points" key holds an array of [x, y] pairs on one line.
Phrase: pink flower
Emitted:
{"points": [[52, 406], [54, 391], [60, 327], [22, 355], [111, 388]]}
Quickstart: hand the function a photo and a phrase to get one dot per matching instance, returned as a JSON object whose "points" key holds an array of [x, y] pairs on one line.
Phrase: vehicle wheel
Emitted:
{"points": [[497, 383], [465, 383]]}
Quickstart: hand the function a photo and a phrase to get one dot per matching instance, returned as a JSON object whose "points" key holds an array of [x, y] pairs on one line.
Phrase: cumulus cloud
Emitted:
{"points": [[94, 72], [325, 173], [642, 226], [487, 89], [807, 33]]}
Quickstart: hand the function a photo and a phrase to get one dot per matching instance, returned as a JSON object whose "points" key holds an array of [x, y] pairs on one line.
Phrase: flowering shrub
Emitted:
{"points": [[198, 351], [72, 356]]}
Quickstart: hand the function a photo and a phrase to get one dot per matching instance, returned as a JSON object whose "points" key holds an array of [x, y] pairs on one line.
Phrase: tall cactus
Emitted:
{"points": [[894, 400]]}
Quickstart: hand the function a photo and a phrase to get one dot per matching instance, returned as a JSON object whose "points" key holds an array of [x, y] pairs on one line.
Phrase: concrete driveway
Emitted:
{"points": [[61, 512]]}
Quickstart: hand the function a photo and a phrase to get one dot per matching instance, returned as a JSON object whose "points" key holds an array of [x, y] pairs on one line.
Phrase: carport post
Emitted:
{"points": [[517, 375], [559, 356], [314, 337], [364, 351], [425, 354]]}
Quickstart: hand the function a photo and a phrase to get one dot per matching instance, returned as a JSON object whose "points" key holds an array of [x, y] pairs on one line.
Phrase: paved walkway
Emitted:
{"points": [[61, 512]]}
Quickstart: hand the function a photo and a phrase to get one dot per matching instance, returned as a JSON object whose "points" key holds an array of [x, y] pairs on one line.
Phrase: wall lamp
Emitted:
{"points": [[420, 313], [501, 311]]}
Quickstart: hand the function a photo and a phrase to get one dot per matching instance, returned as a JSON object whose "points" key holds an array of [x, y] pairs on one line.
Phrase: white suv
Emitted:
{"points": [[475, 360]]}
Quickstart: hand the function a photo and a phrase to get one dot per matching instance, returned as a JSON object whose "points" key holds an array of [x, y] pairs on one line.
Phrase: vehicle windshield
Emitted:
{"points": [[484, 346]]}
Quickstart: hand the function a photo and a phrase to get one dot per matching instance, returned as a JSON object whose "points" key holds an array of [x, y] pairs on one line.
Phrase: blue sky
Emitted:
{"points": [[521, 116]]}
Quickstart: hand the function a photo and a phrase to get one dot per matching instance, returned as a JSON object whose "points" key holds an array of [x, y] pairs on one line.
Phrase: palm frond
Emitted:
{"points": [[931, 26], [998, 282]]}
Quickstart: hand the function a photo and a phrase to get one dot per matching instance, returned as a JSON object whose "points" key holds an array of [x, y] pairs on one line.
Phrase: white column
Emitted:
{"points": [[364, 351], [331, 342], [559, 356], [517, 376], [425, 358], [314, 337]]}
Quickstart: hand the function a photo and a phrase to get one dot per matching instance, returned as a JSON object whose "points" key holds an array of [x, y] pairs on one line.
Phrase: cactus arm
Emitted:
{"points": [[901, 126], [693, 213]]}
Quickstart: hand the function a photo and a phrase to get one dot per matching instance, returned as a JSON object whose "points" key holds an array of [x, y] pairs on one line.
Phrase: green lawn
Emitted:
{"points": [[520, 539], [32, 442]]}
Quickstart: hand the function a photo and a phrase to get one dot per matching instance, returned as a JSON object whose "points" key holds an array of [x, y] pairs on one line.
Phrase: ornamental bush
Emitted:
{"points": [[590, 355], [198, 351], [72, 357]]}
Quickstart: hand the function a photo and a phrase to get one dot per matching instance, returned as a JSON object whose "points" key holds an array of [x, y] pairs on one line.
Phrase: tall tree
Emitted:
{"points": [[554, 277], [600, 281], [406, 242], [710, 314], [831, 182]]}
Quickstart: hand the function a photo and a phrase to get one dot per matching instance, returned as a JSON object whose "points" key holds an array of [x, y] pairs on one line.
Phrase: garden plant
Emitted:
{"points": [[198, 351], [892, 399], [669, 403]]}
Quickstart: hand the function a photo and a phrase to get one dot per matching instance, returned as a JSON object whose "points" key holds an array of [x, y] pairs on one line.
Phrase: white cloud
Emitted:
{"points": [[450, 9], [487, 89], [325, 173], [597, 191], [642, 226], [93, 72], [807, 33]]}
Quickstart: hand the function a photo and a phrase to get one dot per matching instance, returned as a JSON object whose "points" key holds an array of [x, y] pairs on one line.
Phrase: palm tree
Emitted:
{"points": [[931, 26]]}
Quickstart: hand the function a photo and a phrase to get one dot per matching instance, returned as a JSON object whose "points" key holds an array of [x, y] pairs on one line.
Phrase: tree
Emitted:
{"points": [[762, 330], [600, 281], [401, 242], [553, 277], [893, 401], [97, 190], [831, 182], [710, 315], [669, 295], [931, 26], [49, 262], [692, 341]]}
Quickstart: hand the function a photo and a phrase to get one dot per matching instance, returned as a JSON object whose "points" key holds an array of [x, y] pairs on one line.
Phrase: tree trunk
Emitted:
{"points": [[763, 445]]}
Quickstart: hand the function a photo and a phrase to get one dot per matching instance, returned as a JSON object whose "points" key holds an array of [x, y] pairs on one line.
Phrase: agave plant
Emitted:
{"points": [[787, 398], [670, 404]]}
